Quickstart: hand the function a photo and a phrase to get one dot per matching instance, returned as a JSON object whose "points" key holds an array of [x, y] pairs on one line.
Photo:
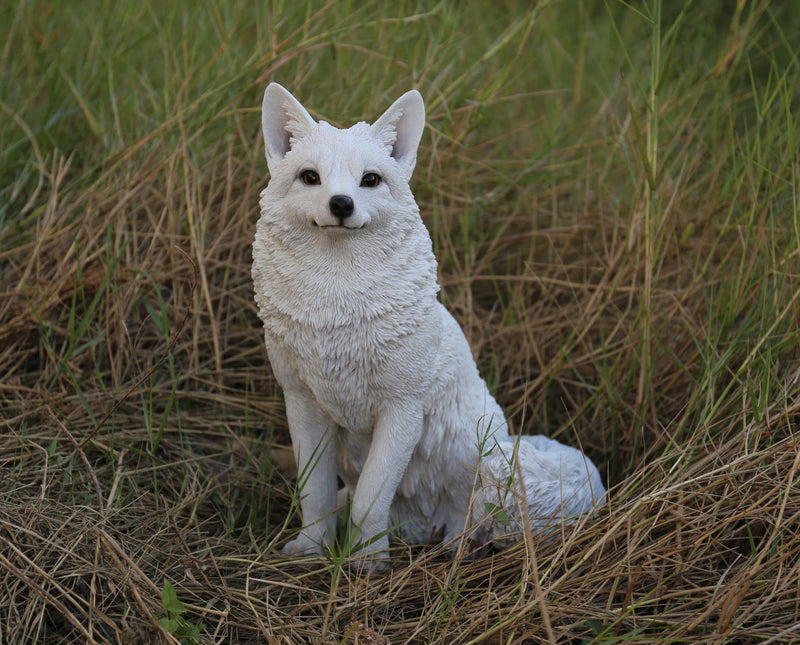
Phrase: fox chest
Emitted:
{"points": [[348, 370]]}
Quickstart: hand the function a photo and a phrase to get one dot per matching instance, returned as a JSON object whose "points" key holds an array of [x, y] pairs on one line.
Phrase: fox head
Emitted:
{"points": [[339, 181]]}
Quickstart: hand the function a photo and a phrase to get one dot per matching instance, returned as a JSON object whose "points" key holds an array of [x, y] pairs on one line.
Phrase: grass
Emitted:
{"points": [[612, 191]]}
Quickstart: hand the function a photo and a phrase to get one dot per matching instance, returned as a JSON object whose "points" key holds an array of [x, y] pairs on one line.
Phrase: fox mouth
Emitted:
{"points": [[340, 226]]}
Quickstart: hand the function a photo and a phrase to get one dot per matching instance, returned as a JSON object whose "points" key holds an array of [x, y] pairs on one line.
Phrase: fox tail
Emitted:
{"points": [[532, 480]]}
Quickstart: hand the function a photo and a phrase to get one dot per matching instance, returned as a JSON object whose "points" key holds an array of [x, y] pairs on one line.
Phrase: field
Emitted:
{"points": [[612, 190]]}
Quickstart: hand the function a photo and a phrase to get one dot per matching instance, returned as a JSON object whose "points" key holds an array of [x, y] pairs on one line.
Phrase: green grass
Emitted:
{"points": [[612, 192]]}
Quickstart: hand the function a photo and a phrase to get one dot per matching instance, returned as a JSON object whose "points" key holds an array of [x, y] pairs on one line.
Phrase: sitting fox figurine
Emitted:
{"points": [[380, 385]]}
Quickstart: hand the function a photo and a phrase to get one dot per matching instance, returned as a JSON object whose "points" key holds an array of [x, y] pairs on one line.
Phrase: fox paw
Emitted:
{"points": [[302, 545], [373, 557]]}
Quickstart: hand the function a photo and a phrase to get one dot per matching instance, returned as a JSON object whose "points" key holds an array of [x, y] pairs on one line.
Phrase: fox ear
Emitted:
{"points": [[400, 129], [283, 121]]}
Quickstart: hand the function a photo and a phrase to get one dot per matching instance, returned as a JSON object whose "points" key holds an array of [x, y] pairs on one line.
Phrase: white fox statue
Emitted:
{"points": [[379, 381]]}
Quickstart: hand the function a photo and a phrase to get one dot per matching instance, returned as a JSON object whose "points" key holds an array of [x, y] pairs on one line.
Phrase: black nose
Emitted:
{"points": [[341, 206]]}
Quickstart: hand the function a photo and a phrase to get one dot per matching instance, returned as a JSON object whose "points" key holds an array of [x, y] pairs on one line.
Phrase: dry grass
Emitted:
{"points": [[648, 313]]}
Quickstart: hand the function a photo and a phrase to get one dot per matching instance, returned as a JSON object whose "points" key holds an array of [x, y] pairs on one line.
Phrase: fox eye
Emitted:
{"points": [[310, 177], [370, 180]]}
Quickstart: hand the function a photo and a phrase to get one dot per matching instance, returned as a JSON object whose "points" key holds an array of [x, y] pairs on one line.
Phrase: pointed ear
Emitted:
{"points": [[400, 128], [283, 121]]}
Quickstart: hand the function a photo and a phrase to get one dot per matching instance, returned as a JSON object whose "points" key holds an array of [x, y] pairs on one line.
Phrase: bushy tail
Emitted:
{"points": [[533, 479]]}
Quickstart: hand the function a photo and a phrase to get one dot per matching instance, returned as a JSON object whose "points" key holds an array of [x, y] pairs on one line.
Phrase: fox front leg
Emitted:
{"points": [[396, 435], [314, 445]]}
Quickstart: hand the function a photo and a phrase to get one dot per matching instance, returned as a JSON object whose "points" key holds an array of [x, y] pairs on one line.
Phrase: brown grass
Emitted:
{"points": [[700, 541], [143, 437]]}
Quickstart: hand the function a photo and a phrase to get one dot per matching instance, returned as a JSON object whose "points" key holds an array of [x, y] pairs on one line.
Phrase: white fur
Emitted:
{"points": [[379, 381]]}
